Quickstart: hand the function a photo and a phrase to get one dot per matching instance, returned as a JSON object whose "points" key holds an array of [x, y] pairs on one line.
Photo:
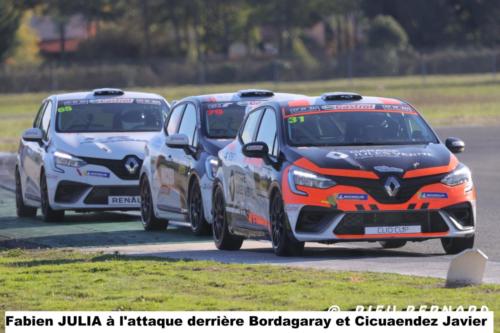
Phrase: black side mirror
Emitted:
{"points": [[455, 145], [256, 150]]}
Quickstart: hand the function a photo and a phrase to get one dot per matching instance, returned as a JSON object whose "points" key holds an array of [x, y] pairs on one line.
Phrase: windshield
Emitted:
{"points": [[357, 128], [224, 119], [110, 115]]}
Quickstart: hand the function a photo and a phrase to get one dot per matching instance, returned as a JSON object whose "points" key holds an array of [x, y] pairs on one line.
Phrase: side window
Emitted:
{"points": [[267, 129], [175, 118], [45, 122], [188, 123], [250, 126], [39, 114]]}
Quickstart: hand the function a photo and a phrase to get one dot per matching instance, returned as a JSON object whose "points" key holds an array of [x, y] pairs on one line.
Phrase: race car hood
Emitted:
{"points": [[104, 145], [213, 146], [379, 159]]}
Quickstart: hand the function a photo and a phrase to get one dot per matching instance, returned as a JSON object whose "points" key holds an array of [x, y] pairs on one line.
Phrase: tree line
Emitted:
{"points": [[198, 30]]}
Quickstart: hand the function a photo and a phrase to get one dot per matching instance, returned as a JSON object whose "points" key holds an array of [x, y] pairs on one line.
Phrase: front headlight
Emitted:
{"points": [[301, 177], [461, 175], [66, 160], [211, 166]]}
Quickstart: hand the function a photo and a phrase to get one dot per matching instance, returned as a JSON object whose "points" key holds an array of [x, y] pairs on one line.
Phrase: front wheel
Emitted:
{"points": [[457, 245], [21, 209], [284, 243], [223, 238], [199, 225], [48, 214], [149, 220]]}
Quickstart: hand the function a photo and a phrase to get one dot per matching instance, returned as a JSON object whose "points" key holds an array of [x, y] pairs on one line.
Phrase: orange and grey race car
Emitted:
{"points": [[341, 167]]}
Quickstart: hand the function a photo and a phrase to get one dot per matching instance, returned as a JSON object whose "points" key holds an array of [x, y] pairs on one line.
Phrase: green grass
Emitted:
{"points": [[67, 280], [444, 100]]}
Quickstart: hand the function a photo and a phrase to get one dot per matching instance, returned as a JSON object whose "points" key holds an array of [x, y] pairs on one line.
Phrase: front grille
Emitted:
{"points": [[355, 223], [116, 166], [375, 187], [99, 194], [315, 219], [70, 192]]}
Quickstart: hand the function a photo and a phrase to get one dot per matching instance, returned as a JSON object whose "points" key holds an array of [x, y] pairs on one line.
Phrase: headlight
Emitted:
{"points": [[301, 177], [66, 160], [211, 166], [461, 175]]}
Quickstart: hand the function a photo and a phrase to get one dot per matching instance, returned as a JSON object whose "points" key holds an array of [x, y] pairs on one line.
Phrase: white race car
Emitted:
{"points": [[85, 151]]}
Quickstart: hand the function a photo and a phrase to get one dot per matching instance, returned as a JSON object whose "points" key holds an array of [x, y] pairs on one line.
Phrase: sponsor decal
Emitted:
{"points": [[403, 229], [111, 139], [352, 196], [337, 155], [378, 153], [434, 195], [348, 107], [93, 173], [124, 200], [384, 168]]}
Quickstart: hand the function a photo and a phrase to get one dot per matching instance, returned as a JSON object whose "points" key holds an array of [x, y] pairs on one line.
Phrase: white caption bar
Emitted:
{"points": [[263, 322]]}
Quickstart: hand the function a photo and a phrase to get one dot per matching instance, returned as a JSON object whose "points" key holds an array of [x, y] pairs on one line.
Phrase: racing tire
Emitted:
{"points": [[223, 238], [284, 243], [48, 214], [457, 245], [392, 244], [21, 209], [149, 220], [199, 225]]}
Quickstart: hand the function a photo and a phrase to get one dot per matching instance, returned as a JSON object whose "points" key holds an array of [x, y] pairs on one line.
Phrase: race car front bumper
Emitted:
{"points": [[348, 213], [92, 187], [326, 224]]}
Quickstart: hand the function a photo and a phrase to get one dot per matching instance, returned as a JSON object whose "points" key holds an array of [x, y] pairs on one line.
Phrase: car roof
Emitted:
{"points": [[91, 95], [347, 99], [237, 97]]}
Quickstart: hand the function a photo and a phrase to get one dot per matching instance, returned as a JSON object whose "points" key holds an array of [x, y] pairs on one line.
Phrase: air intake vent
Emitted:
{"points": [[108, 92], [341, 96], [255, 93]]}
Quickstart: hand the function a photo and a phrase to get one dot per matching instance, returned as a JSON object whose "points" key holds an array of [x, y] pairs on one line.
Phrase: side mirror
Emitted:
{"points": [[177, 141], [33, 135], [455, 145], [256, 150]]}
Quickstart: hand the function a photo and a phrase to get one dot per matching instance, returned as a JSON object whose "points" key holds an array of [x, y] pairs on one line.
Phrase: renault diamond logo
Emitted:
{"points": [[392, 186], [131, 164]]}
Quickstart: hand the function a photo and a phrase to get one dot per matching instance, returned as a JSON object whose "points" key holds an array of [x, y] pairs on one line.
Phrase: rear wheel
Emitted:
{"points": [[457, 245], [223, 238], [149, 220], [284, 243], [48, 214], [392, 244], [199, 225], [21, 209]]}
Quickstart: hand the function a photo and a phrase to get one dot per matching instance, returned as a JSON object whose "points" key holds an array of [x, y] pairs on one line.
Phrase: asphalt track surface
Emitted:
{"points": [[111, 232]]}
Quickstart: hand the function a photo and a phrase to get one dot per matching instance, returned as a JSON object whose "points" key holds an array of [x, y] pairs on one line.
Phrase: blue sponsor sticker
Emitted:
{"points": [[93, 173], [352, 196], [434, 195]]}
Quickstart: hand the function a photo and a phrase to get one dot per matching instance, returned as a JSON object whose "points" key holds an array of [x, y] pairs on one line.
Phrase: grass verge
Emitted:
{"points": [[67, 280], [444, 100]]}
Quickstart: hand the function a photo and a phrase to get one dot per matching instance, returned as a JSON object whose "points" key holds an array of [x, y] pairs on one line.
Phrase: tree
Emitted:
{"points": [[10, 17]]}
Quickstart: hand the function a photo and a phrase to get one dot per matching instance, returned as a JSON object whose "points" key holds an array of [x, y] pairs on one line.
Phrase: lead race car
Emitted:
{"points": [[85, 151], [341, 167]]}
